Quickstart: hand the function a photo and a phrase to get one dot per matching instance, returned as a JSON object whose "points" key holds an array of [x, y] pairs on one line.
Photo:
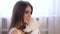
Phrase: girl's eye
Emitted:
{"points": [[28, 12]]}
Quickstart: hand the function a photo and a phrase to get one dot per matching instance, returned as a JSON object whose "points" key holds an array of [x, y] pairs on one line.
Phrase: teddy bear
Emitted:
{"points": [[33, 26]]}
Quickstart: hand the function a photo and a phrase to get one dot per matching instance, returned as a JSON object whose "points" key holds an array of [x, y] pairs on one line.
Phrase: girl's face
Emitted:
{"points": [[27, 14]]}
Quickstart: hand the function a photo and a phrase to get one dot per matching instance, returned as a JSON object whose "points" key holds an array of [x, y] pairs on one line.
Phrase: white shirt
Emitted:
{"points": [[36, 32], [13, 30]]}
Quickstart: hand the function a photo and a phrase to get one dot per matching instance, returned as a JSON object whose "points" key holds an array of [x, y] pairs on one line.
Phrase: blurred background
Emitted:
{"points": [[48, 11]]}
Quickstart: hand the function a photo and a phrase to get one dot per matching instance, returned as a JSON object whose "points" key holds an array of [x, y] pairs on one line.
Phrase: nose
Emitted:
{"points": [[29, 15]]}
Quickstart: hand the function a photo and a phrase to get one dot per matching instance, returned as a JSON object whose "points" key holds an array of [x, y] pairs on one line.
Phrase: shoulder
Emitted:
{"points": [[13, 31]]}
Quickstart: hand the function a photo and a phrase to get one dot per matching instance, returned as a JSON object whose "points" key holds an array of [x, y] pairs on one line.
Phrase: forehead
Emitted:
{"points": [[28, 8]]}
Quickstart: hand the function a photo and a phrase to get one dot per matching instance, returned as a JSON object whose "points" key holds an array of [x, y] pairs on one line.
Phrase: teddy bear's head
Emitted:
{"points": [[32, 25]]}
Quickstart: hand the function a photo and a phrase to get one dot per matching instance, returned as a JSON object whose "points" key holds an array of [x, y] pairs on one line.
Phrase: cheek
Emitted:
{"points": [[25, 18]]}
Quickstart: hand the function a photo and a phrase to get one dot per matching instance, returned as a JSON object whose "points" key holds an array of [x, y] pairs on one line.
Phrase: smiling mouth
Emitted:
{"points": [[27, 19]]}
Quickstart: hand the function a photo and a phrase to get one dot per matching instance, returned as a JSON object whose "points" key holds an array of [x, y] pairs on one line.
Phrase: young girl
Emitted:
{"points": [[21, 15]]}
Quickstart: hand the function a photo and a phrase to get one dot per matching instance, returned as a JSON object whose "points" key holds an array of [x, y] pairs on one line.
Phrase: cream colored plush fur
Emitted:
{"points": [[32, 25]]}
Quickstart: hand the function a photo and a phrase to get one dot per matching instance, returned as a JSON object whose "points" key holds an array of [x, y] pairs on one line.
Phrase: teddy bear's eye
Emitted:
{"points": [[37, 19]]}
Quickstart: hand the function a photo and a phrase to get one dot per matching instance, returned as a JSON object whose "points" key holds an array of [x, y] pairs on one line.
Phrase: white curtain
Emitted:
{"points": [[54, 17]]}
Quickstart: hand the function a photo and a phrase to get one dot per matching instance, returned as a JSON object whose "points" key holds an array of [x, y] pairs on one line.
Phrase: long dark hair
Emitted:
{"points": [[18, 14]]}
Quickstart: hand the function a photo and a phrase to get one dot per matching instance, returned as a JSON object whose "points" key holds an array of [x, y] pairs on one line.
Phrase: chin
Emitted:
{"points": [[33, 24], [26, 22]]}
